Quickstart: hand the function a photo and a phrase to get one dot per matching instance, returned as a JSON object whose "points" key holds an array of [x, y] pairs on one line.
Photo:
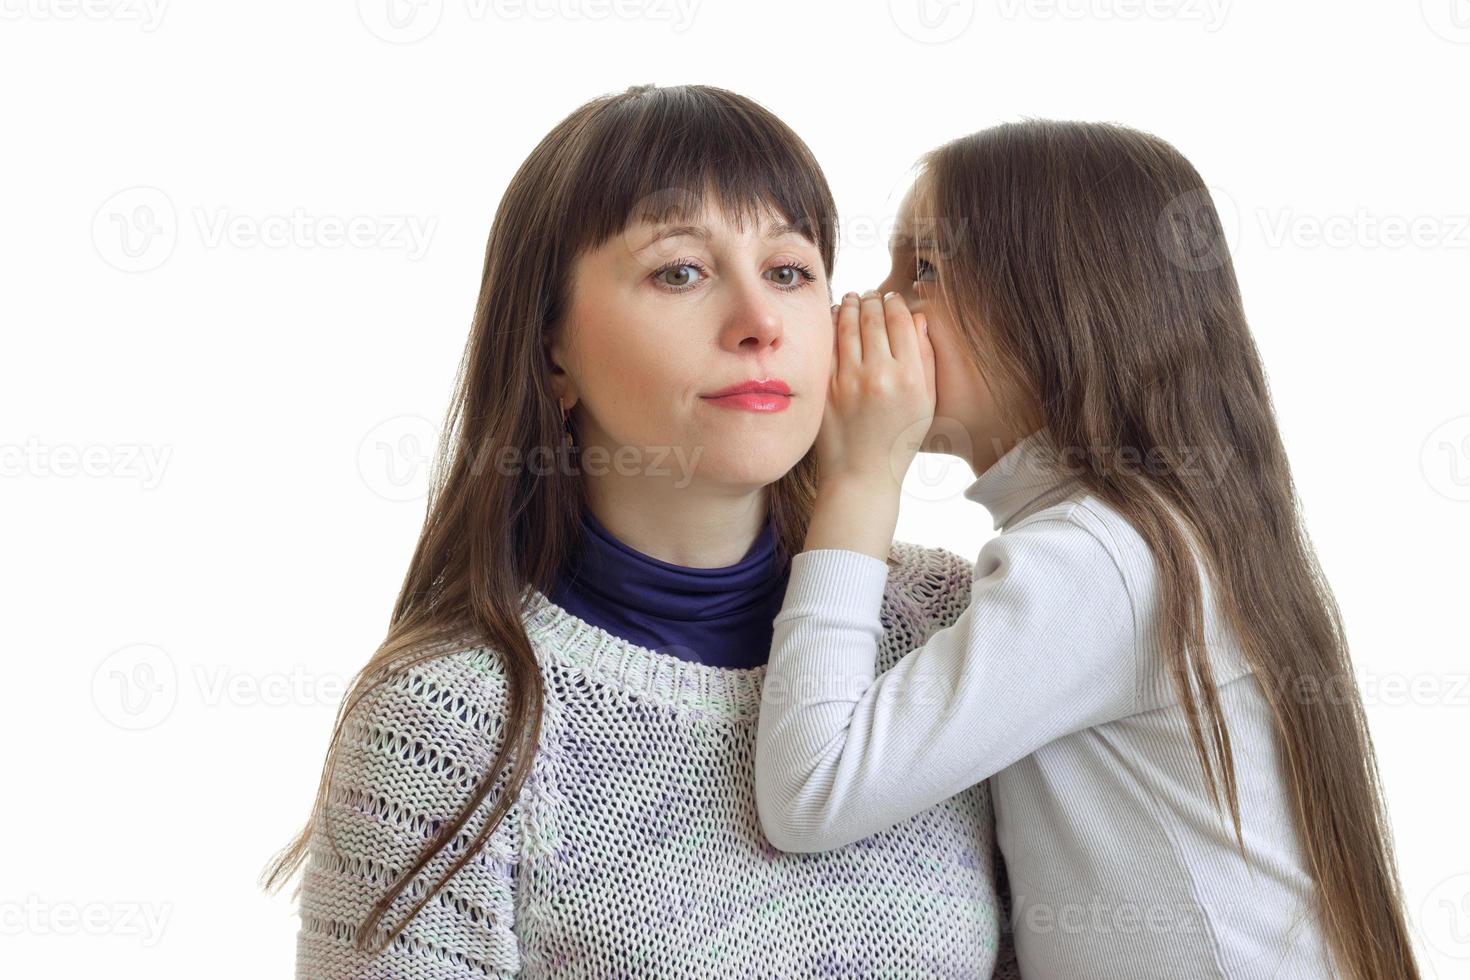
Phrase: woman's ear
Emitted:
{"points": [[561, 380]]}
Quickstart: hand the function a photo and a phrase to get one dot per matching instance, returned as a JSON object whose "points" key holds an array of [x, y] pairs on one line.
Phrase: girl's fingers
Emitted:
{"points": [[903, 339], [926, 353], [833, 372], [849, 342], [874, 328]]}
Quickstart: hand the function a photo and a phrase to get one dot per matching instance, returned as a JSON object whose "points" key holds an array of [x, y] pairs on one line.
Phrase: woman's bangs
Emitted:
{"points": [[668, 154]]}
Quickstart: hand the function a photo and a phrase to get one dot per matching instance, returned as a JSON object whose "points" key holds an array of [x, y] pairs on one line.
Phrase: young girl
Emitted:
{"points": [[1145, 662]]}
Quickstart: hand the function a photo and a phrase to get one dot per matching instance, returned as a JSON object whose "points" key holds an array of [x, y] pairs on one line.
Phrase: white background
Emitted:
{"points": [[214, 436]]}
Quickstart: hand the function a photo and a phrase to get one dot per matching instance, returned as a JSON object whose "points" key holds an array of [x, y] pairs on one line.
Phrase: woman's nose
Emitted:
{"points": [[754, 321]]}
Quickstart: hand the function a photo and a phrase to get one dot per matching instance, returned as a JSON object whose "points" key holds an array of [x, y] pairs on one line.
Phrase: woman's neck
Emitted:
{"points": [[684, 526]]}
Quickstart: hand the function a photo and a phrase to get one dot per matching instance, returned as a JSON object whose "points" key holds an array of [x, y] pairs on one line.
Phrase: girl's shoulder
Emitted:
{"points": [[1093, 525], [1139, 572]]}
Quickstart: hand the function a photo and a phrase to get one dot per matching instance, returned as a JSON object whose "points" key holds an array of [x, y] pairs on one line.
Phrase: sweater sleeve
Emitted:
{"points": [[1045, 647], [410, 754]]}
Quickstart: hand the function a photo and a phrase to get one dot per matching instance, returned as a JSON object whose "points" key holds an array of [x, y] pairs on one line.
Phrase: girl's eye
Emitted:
{"points": [[792, 276], [679, 276], [926, 272]]}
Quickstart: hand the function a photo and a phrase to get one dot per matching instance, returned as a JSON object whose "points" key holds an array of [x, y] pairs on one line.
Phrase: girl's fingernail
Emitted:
{"points": [[889, 295]]}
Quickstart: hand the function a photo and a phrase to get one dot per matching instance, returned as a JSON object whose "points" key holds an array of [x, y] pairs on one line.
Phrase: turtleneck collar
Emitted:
{"points": [[719, 616], [1027, 476]]}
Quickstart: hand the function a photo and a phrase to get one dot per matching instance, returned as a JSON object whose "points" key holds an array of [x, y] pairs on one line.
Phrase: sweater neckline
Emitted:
{"points": [[692, 688], [688, 686]]}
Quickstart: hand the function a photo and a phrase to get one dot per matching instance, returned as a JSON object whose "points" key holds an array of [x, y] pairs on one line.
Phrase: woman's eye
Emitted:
{"points": [[678, 276], [925, 271], [791, 276]]}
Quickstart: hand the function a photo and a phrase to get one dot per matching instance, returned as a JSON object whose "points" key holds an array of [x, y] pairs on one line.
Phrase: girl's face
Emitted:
{"points": [[664, 316], [966, 422]]}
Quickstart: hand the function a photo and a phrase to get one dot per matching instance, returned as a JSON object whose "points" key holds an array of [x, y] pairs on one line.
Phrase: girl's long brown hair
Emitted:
{"points": [[646, 153], [1087, 269]]}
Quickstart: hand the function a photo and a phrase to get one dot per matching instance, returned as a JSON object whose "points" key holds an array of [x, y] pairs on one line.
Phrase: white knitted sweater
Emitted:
{"points": [[634, 848]]}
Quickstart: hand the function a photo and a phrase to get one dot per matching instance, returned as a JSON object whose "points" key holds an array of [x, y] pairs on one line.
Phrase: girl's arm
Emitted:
{"points": [[1046, 647]]}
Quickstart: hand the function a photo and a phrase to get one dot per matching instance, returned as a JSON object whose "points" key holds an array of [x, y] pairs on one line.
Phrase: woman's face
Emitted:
{"points": [[965, 415], [664, 316]]}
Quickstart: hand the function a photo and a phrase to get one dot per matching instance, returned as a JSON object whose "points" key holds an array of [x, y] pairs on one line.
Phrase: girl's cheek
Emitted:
{"points": [[923, 294], [927, 302]]}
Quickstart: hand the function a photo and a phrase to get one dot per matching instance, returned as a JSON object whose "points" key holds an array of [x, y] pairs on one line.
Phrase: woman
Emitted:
{"points": [[545, 770]]}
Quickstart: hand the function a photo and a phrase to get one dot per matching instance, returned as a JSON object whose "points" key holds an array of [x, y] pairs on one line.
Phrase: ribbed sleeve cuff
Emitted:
{"points": [[843, 586]]}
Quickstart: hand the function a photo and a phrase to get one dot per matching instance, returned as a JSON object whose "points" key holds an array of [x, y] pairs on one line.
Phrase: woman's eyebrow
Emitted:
{"points": [[703, 233], [782, 230], [680, 231]]}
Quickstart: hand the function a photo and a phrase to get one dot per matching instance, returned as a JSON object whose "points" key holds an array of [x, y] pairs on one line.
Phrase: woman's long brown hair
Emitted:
{"points": [[1087, 269], [646, 153]]}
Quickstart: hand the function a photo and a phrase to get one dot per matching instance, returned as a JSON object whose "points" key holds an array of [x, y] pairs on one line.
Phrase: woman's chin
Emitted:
{"points": [[749, 462], [752, 474]]}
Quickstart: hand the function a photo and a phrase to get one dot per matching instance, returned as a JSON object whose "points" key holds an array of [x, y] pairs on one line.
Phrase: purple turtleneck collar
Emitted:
{"points": [[717, 616]]}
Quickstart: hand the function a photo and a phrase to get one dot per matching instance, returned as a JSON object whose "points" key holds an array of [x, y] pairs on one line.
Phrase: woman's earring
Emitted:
{"points": [[566, 424]]}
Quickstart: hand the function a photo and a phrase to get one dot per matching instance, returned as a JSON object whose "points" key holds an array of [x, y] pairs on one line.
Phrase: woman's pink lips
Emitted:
{"points": [[753, 401]]}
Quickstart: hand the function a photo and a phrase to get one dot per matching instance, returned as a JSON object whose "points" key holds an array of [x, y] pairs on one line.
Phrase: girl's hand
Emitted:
{"points": [[880, 404], [880, 401]]}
